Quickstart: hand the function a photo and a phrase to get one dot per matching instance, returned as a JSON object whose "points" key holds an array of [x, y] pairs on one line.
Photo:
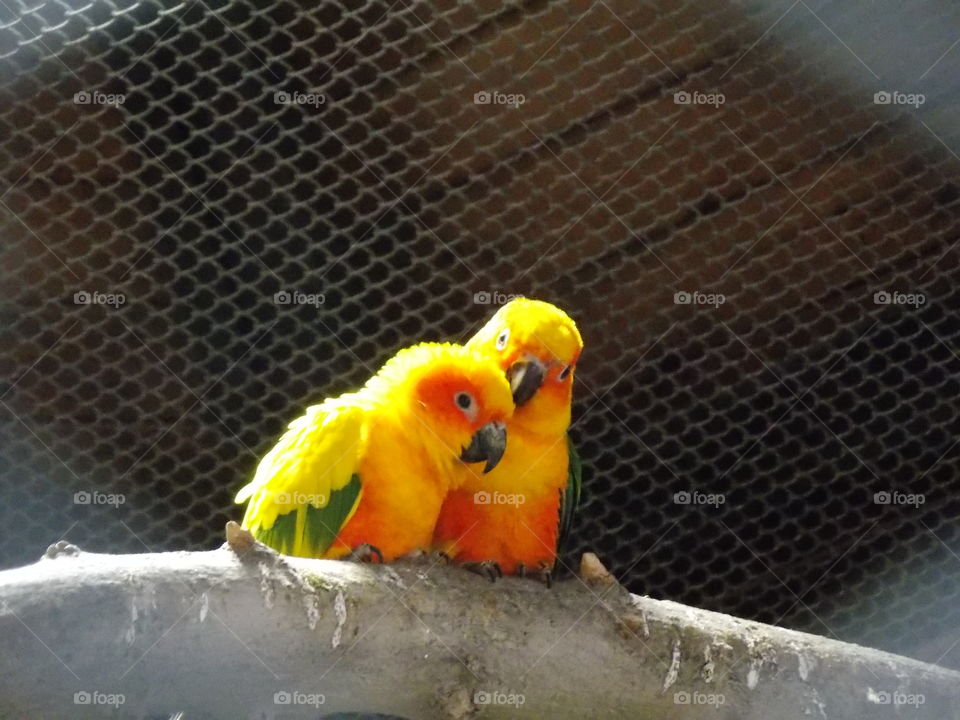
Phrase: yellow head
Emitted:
{"points": [[455, 398], [537, 345]]}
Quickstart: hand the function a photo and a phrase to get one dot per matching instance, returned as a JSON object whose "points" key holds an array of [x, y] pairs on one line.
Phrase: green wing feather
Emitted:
{"points": [[307, 487], [319, 526], [569, 496]]}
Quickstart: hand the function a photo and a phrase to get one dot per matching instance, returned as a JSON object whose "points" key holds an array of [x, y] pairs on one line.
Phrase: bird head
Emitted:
{"points": [[461, 400], [537, 346]]}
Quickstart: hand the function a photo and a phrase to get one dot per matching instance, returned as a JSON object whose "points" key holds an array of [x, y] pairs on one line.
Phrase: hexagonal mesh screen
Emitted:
{"points": [[758, 249]]}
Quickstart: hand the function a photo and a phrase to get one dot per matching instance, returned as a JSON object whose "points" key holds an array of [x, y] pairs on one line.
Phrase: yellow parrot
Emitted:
{"points": [[365, 473], [512, 519]]}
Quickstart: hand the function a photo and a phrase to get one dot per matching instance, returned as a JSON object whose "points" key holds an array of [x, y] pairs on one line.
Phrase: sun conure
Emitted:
{"points": [[511, 519], [368, 471]]}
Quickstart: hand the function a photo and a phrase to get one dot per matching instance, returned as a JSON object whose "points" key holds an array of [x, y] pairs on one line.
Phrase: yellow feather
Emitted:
{"points": [[317, 455], [381, 435]]}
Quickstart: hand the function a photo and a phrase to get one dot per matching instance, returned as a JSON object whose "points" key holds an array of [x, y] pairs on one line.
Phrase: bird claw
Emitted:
{"points": [[544, 574], [424, 557], [489, 569], [365, 553]]}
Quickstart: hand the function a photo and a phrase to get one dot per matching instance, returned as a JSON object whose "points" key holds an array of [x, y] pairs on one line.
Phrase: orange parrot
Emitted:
{"points": [[512, 519], [364, 474]]}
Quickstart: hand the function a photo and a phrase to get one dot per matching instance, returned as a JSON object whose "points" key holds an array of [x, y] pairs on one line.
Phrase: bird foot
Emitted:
{"points": [[489, 569], [543, 573], [426, 557], [364, 553]]}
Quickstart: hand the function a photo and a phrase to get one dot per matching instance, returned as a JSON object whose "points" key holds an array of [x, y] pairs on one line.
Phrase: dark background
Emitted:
{"points": [[399, 198]]}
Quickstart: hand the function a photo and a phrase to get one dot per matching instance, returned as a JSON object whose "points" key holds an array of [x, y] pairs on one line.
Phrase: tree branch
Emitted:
{"points": [[237, 632]]}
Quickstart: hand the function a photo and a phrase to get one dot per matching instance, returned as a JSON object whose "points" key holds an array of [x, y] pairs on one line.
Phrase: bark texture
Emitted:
{"points": [[243, 632]]}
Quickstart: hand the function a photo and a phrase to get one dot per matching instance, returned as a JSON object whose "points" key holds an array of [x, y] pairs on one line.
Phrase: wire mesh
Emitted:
{"points": [[214, 214]]}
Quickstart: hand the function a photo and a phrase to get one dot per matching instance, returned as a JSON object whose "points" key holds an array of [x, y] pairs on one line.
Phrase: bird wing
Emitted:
{"points": [[308, 486]]}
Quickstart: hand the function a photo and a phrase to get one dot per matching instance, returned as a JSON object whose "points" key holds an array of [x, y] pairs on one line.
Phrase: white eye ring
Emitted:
{"points": [[502, 338], [465, 402]]}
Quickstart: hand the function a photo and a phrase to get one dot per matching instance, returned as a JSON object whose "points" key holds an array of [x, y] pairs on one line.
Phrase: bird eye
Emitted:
{"points": [[502, 339], [564, 373], [464, 400]]}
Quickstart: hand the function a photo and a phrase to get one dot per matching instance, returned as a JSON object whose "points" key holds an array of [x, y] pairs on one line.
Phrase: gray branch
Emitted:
{"points": [[243, 632]]}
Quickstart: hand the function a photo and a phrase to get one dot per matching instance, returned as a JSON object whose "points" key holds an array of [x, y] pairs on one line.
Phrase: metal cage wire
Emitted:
{"points": [[407, 165]]}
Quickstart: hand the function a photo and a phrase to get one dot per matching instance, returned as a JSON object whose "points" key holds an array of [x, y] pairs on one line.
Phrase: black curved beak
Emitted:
{"points": [[525, 377], [488, 443]]}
